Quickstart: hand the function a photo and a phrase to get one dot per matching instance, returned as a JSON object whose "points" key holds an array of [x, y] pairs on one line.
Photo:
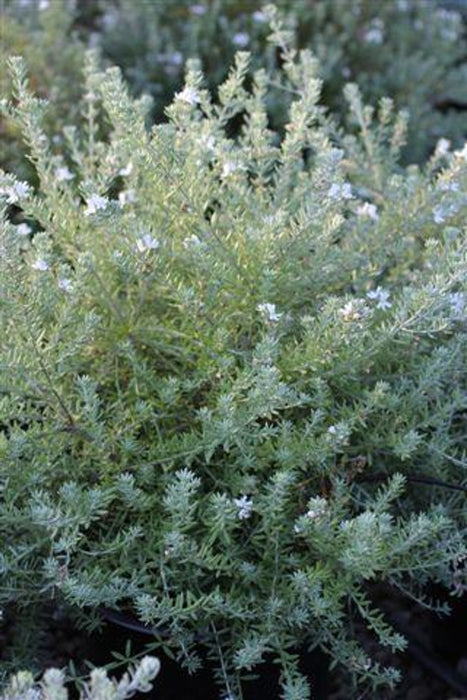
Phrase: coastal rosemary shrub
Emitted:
{"points": [[233, 369], [413, 51]]}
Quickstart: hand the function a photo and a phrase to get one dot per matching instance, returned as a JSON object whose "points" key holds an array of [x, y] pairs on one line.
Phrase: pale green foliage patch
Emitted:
{"points": [[210, 346]]}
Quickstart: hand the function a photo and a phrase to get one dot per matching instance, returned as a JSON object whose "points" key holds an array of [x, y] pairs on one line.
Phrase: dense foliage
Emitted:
{"points": [[416, 52], [234, 389]]}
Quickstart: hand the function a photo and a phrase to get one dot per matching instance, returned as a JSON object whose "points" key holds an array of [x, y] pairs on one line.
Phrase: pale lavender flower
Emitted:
{"points": [[439, 214], [127, 170], [368, 210], [147, 242], [40, 265], [23, 230], [462, 153], [340, 191], [228, 168], [63, 174], [353, 310], [375, 33], [381, 296], [241, 39], [269, 311], [188, 95], [126, 197], [191, 241], [259, 16], [458, 303], [65, 285], [245, 507], [198, 10], [95, 203], [442, 147], [18, 190]]}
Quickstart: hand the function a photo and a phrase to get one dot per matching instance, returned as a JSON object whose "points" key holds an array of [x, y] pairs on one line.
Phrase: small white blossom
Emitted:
{"points": [[63, 174], [439, 214], [16, 191], [43, 4], [198, 10], [191, 241], [147, 242], [337, 191], [228, 168], [368, 210], [241, 39], [442, 147], [317, 507], [127, 170], [375, 33], [65, 285], [447, 185], [458, 302], [462, 153], [245, 507], [269, 310], [23, 230], [381, 296], [332, 430], [95, 203], [188, 95], [354, 310], [126, 197], [40, 265], [259, 16]]}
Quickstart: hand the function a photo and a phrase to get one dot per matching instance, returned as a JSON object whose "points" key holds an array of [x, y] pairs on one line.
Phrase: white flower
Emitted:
{"points": [[18, 190], [338, 191], [198, 10], [191, 241], [228, 168], [127, 170], [375, 33], [458, 303], [439, 214], [381, 296], [447, 185], [43, 4], [40, 265], [317, 507], [269, 310], [65, 285], [442, 147], [188, 95], [368, 210], [126, 197], [350, 311], [462, 153], [63, 174], [374, 36], [95, 203], [147, 242], [332, 430], [241, 39], [23, 230], [245, 507], [259, 16]]}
